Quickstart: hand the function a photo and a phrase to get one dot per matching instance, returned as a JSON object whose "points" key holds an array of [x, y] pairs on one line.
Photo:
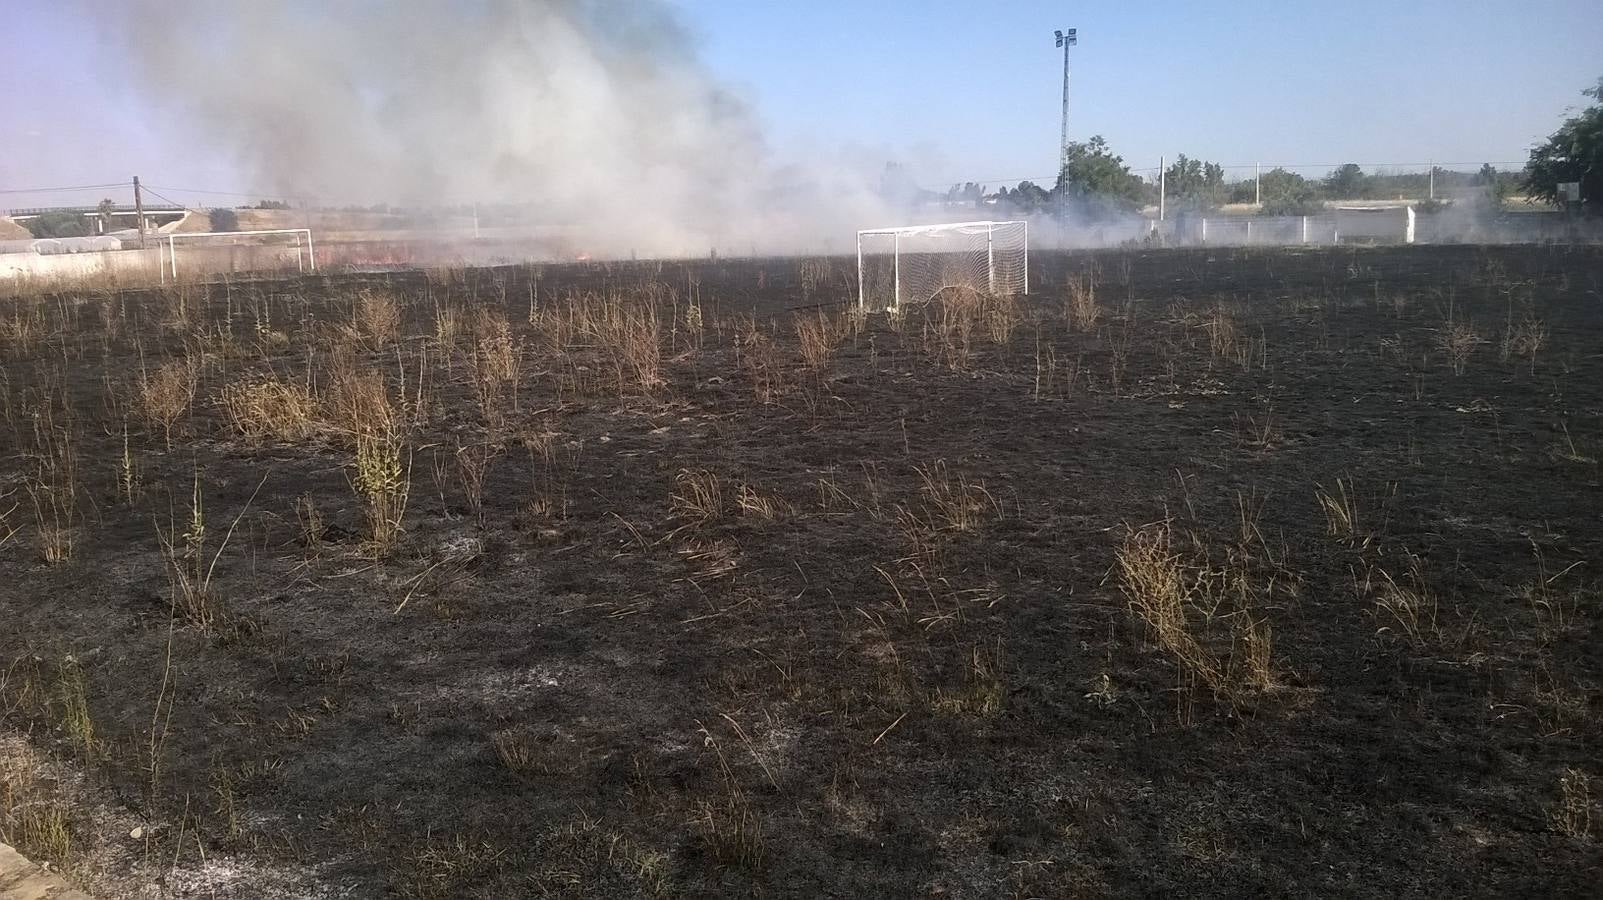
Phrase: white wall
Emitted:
{"points": [[21, 271]]}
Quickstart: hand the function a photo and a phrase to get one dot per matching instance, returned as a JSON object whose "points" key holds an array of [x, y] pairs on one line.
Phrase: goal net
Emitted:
{"points": [[914, 263], [197, 255]]}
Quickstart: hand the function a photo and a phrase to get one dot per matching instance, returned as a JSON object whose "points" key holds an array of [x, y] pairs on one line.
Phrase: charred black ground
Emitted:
{"points": [[866, 627]]}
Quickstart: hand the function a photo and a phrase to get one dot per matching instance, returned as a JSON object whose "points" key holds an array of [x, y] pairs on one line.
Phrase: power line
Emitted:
{"points": [[51, 190], [256, 194], [149, 190]]}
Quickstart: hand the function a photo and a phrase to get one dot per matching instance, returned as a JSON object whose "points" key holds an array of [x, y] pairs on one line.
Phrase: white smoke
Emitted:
{"points": [[597, 113]]}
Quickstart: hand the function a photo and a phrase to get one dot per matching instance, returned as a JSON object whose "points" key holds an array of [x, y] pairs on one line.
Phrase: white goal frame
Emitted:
{"points": [[898, 232], [169, 267]]}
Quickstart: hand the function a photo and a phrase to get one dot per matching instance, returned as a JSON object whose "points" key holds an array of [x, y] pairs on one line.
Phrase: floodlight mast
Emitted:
{"points": [[1065, 40]]}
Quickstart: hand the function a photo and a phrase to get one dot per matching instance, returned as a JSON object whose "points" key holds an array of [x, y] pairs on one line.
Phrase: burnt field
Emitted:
{"points": [[1216, 572]]}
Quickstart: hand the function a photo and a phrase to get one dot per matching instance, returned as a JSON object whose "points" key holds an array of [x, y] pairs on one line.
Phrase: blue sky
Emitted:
{"points": [[969, 90], [1243, 82]]}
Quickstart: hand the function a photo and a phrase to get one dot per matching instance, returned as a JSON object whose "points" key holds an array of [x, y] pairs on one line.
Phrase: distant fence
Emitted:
{"points": [[112, 268], [1355, 226], [21, 272]]}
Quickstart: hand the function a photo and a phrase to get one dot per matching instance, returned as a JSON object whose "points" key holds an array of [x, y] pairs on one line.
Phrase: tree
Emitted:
{"points": [[1096, 182], [223, 219], [1572, 153], [104, 210], [1289, 194], [1195, 183], [1347, 182], [968, 192], [1493, 182], [57, 224], [1028, 197]]}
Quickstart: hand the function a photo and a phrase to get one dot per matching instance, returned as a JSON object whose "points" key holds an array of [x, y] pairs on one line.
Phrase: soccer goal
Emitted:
{"points": [[228, 252], [913, 263]]}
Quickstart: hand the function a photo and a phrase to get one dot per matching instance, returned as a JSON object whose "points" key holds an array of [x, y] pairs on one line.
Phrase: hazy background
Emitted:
{"points": [[711, 115]]}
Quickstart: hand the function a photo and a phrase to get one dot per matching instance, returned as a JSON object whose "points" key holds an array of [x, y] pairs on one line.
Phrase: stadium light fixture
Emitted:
{"points": [[1065, 40]]}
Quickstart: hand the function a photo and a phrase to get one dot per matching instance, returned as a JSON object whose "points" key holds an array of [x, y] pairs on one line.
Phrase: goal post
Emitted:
{"points": [[914, 263], [228, 252]]}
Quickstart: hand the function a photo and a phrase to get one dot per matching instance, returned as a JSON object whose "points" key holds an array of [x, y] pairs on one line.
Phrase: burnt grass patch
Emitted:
{"points": [[1276, 572]]}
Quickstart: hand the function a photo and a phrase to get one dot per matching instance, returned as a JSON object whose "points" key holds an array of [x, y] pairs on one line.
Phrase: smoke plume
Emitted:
{"points": [[596, 113]]}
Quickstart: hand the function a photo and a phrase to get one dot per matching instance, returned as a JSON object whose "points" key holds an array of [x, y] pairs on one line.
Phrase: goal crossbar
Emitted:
{"points": [[987, 255], [169, 266], [938, 226]]}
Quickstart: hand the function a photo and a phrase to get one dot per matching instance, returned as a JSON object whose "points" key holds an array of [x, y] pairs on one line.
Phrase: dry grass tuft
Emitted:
{"points": [[1183, 604], [384, 484], [1002, 314], [310, 521], [629, 333], [32, 819], [71, 707], [524, 754], [1457, 339], [762, 506], [955, 503], [360, 407], [54, 491], [1571, 816], [473, 464], [1080, 309], [266, 408], [163, 397], [730, 829], [1409, 605], [446, 867], [732, 833], [815, 335], [697, 499], [984, 689], [497, 359], [1524, 338], [1341, 512], [758, 359], [375, 319]]}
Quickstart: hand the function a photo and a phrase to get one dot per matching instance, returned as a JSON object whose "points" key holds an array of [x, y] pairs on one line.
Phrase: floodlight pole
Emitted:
{"points": [[1065, 40]]}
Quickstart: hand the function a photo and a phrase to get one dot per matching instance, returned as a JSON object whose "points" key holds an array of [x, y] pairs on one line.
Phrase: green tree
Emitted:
{"points": [[104, 210], [1347, 182], [968, 192], [1029, 197], [1286, 193], [1095, 181], [223, 219], [1195, 183], [1493, 183], [57, 223], [1572, 153]]}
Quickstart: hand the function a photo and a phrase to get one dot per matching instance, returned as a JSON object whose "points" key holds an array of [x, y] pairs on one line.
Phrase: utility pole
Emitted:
{"points": [[1065, 40], [139, 212], [1257, 187]]}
